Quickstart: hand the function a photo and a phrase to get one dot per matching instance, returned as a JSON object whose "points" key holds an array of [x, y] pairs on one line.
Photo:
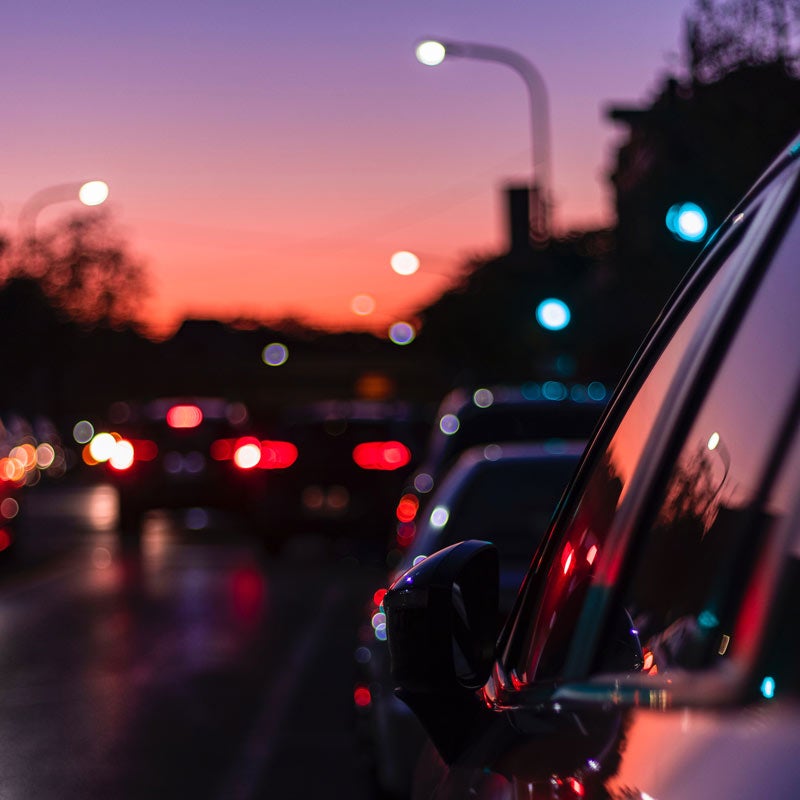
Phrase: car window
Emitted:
{"points": [[508, 502], [538, 645], [706, 528], [542, 653]]}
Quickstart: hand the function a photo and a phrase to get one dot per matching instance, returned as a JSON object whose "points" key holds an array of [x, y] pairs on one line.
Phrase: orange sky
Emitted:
{"points": [[267, 159]]}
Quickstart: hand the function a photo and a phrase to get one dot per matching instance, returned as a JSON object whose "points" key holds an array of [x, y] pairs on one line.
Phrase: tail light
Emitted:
{"points": [[248, 453], [381, 455], [119, 453], [407, 508], [277, 455], [184, 416]]}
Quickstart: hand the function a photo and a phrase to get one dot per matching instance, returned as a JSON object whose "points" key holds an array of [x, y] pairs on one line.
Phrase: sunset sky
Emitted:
{"points": [[267, 158]]}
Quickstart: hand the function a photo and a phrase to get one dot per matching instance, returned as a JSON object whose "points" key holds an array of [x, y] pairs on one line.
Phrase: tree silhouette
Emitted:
{"points": [[85, 270], [725, 37]]}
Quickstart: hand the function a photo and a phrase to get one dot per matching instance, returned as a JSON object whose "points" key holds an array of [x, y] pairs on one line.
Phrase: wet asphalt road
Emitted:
{"points": [[191, 666]]}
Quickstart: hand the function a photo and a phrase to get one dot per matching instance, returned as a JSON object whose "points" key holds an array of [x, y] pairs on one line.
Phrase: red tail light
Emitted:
{"points": [[248, 452], [277, 455], [407, 508], [381, 455], [144, 449], [362, 697], [188, 416]]}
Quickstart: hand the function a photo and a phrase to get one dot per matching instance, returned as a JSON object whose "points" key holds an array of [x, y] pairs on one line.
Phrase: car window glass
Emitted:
{"points": [[540, 654], [509, 502], [706, 529]]}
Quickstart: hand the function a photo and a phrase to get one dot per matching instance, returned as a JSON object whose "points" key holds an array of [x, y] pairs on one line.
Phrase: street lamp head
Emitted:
{"points": [[430, 53], [93, 193]]}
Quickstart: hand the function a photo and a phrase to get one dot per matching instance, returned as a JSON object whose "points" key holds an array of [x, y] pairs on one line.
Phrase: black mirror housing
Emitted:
{"points": [[441, 619]]}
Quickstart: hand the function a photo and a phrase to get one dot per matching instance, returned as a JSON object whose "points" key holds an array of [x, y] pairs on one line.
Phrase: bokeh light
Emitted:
{"points": [[553, 314], [402, 333], [93, 193], [362, 304], [404, 263], [83, 431], [449, 424], [102, 447], [275, 354], [430, 53]]}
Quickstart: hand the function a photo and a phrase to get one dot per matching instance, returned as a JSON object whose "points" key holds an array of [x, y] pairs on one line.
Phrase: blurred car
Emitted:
{"points": [[652, 651], [352, 459], [183, 453], [468, 417], [504, 490]]}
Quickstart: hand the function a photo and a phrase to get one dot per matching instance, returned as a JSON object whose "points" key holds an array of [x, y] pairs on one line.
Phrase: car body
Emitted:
{"points": [[183, 453], [352, 459], [467, 417], [508, 489], [652, 650]]}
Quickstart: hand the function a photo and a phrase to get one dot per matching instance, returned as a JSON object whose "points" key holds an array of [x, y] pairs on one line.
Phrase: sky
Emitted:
{"points": [[266, 158]]}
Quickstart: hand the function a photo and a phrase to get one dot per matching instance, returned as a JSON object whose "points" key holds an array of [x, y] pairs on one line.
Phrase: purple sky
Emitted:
{"points": [[267, 158]]}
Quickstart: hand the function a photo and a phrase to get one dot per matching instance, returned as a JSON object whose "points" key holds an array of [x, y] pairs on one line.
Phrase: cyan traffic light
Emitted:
{"points": [[553, 314], [687, 221]]}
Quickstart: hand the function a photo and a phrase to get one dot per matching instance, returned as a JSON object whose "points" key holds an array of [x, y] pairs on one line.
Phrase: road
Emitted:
{"points": [[191, 666]]}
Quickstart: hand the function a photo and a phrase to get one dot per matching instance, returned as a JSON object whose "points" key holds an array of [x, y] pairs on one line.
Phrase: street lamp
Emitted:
{"points": [[90, 193], [432, 52]]}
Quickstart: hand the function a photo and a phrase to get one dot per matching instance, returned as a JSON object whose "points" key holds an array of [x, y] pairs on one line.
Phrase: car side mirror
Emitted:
{"points": [[441, 621]]}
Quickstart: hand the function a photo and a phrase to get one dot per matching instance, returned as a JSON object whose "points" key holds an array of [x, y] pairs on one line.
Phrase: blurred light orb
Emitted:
{"points": [[275, 354], [554, 390], [83, 431], [45, 455], [597, 390], [449, 424], [402, 333], [404, 263], [423, 483], [93, 193], [122, 456], [553, 314], [713, 441], [362, 304], [247, 456], [102, 447], [687, 221], [9, 508], [439, 516], [430, 53], [483, 398]]}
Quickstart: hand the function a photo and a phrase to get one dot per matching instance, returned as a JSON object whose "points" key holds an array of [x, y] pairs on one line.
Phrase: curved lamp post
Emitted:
{"points": [[90, 193], [432, 52]]}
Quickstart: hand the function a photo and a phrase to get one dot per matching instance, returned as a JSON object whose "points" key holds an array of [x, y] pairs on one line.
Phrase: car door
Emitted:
{"points": [[663, 524]]}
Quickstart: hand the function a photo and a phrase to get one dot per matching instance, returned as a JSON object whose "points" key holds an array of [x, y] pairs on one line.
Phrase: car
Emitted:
{"points": [[507, 488], [470, 416], [352, 459], [182, 453], [652, 650]]}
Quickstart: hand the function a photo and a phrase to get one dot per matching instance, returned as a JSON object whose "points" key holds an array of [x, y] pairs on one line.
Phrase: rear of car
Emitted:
{"points": [[352, 459], [183, 453], [547, 411]]}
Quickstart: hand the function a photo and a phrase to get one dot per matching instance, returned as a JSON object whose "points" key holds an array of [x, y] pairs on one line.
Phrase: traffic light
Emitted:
{"points": [[687, 221], [553, 314]]}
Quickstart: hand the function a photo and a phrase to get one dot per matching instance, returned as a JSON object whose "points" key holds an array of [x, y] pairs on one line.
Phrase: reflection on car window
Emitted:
{"points": [[543, 649], [706, 525]]}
